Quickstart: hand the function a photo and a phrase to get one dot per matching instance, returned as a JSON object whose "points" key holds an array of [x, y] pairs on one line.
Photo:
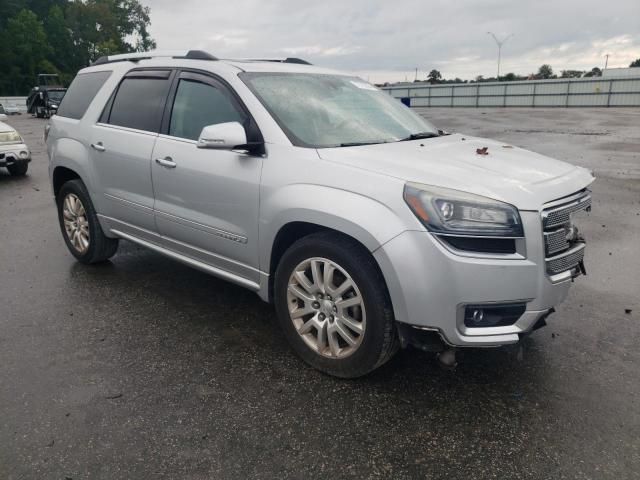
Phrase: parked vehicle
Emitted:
{"points": [[43, 100], [14, 153], [366, 227], [9, 109]]}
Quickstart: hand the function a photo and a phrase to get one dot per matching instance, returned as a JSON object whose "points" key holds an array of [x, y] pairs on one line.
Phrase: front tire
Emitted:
{"points": [[80, 227], [333, 305]]}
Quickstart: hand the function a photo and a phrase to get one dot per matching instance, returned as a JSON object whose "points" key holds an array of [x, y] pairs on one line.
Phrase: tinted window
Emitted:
{"points": [[197, 105], [139, 103], [81, 93]]}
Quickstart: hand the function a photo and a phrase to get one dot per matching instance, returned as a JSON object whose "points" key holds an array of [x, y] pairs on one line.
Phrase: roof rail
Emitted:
{"points": [[298, 61], [135, 57]]}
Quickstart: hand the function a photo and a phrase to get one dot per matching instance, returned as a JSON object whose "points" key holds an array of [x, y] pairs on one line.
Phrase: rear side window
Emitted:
{"points": [[81, 93], [139, 101]]}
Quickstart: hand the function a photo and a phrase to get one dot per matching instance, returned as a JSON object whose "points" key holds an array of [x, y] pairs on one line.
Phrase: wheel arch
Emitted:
{"points": [[293, 231], [62, 175], [294, 211], [69, 160]]}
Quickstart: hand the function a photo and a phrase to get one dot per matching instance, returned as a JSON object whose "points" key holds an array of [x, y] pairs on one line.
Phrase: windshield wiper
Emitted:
{"points": [[418, 136], [358, 144]]}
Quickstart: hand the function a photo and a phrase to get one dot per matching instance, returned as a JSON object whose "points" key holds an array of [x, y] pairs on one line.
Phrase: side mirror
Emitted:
{"points": [[223, 136], [3, 117]]}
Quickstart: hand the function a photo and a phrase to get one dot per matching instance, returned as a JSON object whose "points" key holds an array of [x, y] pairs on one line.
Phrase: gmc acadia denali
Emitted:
{"points": [[367, 227]]}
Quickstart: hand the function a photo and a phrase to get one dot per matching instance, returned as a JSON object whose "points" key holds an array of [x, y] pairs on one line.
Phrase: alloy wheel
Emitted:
{"points": [[326, 307], [76, 224]]}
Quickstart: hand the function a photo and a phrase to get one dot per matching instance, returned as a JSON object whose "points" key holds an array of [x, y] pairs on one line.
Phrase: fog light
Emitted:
{"points": [[24, 154], [477, 315], [493, 315]]}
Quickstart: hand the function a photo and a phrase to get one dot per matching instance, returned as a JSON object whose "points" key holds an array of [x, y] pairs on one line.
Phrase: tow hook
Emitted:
{"points": [[447, 359]]}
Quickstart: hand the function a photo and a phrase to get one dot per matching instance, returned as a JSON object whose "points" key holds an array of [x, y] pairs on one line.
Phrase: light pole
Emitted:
{"points": [[500, 43]]}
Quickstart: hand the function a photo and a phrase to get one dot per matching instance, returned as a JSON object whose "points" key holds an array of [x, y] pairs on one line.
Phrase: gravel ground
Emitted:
{"points": [[145, 368]]}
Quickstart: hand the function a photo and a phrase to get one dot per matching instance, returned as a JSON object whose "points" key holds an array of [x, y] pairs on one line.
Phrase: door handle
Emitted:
{"points": [[98, 146], [166, 162]]}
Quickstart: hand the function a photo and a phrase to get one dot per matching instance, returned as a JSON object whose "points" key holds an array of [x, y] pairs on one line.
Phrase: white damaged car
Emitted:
{"points": [[14, 153]]}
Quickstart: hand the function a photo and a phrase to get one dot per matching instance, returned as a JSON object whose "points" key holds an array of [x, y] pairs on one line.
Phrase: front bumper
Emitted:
{"points": [[430, 286], [14, 153]]}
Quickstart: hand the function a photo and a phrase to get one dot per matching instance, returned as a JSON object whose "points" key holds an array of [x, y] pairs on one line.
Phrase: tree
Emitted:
{"points": [[594, 72], [635, 63], [63, 36], [8, 8], [434, 76], [545, 71], [571, 73], [62, 48], [28, 53]]}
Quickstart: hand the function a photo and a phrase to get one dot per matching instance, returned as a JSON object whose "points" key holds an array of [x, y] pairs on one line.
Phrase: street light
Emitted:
{"points": [[499, 43]]}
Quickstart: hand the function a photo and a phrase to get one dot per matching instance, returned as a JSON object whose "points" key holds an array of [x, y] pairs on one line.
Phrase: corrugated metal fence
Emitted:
{"points": [[565, 92], [20, 102]]}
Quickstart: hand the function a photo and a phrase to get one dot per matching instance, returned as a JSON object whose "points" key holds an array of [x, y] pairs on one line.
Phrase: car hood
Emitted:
{"points": [[507, 173], [6, 128]]}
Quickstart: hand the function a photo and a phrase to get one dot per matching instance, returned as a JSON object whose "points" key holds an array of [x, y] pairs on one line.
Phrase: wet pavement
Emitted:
{"points": [[145, 368]]}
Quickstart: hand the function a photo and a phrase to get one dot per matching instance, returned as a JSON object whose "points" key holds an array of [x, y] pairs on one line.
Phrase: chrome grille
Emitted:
{"points": [[561, 215], [565, 261], [556, 241], [564, 250]]}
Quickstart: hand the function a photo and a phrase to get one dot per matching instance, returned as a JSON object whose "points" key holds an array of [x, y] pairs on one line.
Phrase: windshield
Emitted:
{"points": [[56, 94], [331, 110]]}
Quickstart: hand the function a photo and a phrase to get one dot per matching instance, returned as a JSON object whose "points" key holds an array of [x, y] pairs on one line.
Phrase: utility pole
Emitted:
{"points": [[606, 62], [499, 43], [416, 74]]}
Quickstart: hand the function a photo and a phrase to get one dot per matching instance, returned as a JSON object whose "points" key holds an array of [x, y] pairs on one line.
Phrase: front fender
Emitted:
{"points": [[365, 219]]}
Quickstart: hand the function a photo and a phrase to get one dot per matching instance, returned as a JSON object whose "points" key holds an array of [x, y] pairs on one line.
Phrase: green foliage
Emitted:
{"points": [[635, 63], [28, 51], [571, 73], [62, 36], [595, 72], [434, 76], [545, 71]]}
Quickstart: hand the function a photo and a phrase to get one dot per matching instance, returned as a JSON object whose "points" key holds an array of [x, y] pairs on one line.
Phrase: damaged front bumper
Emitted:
{"points": [[469, 301]]}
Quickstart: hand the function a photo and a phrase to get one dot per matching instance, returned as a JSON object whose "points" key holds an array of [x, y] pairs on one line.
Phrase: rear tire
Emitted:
{"points": [[340, 340], [80, 227], [18, 169]]}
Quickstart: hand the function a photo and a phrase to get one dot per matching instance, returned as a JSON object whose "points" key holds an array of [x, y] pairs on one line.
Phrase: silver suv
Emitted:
{"points": [[367, 227]]}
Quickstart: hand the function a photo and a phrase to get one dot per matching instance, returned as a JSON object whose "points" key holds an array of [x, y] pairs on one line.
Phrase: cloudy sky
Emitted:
{"points": [[387, 40]]}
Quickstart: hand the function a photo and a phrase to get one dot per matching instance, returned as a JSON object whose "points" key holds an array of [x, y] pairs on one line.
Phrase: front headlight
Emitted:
{"points": [[459, 213], [10, 137]]}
